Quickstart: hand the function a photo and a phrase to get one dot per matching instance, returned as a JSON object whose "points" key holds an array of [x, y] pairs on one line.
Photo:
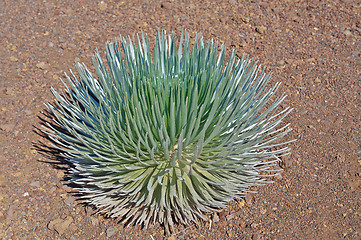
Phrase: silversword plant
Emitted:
{"points": [[167, 133]]}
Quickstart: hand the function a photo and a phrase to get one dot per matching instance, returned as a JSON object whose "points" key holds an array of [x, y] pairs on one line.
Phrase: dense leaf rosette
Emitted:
{"points": [[170, 134]]}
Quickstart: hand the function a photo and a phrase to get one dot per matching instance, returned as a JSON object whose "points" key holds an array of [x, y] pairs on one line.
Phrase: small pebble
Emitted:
{"points": [[7, 127], [110, 231], [261, 29], [229, 217], [94, 221], [3, 180], [60, 225], [347, 32], [35, 184], [102, 5], [249, 199], [13, 59], [69, 200], [215, 218], [317, 80], [254, 225], [41, 65]]}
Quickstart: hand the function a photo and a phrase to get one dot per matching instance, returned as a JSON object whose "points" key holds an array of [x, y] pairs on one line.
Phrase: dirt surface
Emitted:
{"points": [[313, 47]]}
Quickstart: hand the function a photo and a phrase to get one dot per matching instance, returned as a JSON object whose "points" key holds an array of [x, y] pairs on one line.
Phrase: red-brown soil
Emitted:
{"points": [[313, 47]]}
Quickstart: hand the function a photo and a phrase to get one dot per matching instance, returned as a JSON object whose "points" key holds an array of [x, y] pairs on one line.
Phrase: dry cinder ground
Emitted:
{"points": [[313, 47]]}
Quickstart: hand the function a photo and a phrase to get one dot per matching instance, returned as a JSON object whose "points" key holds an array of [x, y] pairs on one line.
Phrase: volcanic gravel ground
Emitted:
{"points": [[312, 47]]}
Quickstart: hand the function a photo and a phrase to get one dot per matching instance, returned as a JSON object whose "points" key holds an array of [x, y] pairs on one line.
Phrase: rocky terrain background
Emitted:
{"points": [[312, 47]]}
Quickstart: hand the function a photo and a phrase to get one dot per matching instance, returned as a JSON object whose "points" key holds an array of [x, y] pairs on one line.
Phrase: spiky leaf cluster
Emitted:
{"points": [[167, 133]]}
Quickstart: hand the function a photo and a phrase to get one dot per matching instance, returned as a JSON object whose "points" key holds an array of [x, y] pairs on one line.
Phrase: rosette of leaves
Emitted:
{"points": [[167, 133]]}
